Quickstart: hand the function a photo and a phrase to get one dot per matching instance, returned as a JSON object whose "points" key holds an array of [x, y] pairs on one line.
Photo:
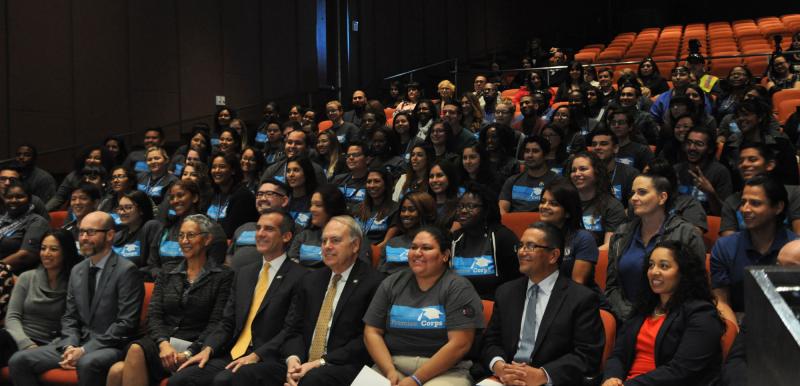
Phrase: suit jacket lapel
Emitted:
{"points": [[661, 331], [349, 288], [515, 313], [105, 273], [550, 312], [82, 296]]}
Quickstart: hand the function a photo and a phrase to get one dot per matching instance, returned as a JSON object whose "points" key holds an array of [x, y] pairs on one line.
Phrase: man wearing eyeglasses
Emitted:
{"points": [[545, 328], [353, 184], [104, 299], [271, 195]]}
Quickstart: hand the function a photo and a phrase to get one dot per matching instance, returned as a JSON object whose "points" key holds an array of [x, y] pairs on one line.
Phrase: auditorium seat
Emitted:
{"points": [[712, 234], [517, 222], [58, 218], [601, 269], [610, 328]]}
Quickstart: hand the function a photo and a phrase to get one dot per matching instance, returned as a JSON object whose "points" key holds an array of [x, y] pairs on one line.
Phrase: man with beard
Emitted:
{"points": [[104, 299], [532, 123], [462, 137], [604, 144], [701, 175], [424, 112], [359, 104], [295, 144], [352, 184], [490, 95], [37, 181], [522, 192]]}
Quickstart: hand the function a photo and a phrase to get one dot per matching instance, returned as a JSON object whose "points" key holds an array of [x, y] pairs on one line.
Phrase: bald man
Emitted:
{"points": [[104, 299], [789, 255]]}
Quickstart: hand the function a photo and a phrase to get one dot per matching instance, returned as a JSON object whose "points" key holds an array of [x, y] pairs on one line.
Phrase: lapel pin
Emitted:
{"points": [[278, 277], [355, 281]]}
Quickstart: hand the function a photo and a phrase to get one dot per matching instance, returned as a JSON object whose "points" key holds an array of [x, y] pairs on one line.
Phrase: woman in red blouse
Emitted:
{"points": [[673, 336]]}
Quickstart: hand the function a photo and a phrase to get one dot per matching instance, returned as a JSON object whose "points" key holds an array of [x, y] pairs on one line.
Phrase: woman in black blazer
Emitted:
{"points": [[673, 335], [187, 303]]}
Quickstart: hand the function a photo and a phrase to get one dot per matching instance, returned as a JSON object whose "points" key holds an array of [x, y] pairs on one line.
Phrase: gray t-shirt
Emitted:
{"points": [[524, 192], [600, 219], [416, 322], [715, 172]]}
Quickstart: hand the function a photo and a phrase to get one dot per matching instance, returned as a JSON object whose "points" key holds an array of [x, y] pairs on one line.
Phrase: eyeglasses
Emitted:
{"points": [[354, 155], [269, 194], [91, 232], [530, 247], [690, 142], [125, 208], [189, 236], [469, 207]]}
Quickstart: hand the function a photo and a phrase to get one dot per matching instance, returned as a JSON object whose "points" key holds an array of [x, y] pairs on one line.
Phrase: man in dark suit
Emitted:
{"points": [[104, 299], [257, 306], [545, 328], [325, 343]]}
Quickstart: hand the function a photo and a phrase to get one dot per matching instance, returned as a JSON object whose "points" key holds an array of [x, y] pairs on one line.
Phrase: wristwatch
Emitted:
{"points": [[187, 353], [322, 361]]}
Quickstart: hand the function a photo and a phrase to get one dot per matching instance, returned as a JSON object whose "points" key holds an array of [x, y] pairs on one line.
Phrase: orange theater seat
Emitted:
{"points": [[712, 234], [610, 327], [324, 125], [731, 330], [57, 218], [376, 255], [601, 269], [519, 221], [488, 308]]}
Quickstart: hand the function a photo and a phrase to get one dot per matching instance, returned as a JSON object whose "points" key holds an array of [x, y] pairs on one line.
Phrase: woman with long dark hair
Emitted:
{"points": [[232, 203], [416, 209], [377, 213], [302, 181], [327, 201], [602, 213], [651, 77], [91, 156]]}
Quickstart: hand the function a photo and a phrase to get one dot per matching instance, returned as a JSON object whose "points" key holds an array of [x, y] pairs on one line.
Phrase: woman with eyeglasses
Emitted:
{"points": [[122, 181], [139, 230], [166, 253], [252, 163], [483, 248], [302, 181], [780, 75], [416, 209], [21, 229], [186, 306]]}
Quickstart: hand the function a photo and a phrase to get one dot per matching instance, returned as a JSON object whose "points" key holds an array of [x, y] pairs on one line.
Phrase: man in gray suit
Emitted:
{"points": [[104, 299]]}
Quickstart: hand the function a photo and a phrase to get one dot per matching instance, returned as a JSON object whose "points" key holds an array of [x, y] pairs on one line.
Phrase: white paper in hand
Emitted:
{"points": [[179, 345], [369, 377]]}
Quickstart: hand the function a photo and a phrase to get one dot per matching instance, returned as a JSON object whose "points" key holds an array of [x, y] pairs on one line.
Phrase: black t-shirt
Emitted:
{"points": [[524, 192]]}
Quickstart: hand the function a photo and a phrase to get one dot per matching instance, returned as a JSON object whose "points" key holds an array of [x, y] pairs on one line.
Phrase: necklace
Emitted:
{"points": [[658, 311]]}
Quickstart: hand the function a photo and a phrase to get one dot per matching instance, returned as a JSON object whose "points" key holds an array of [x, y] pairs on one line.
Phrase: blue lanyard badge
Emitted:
{"points": [[353, 194], [617, 191], [375, 225], [218, 211], [526, 193], [310, 253], [152, 191], [396, 255], [128, 251], [474, 266], [592, 223], [625, 160], [140, 166], [557, 170], [261, 137], [246, 238], [341, 138], [301, 218], [169, 248], [693, 191], [425, 318]]}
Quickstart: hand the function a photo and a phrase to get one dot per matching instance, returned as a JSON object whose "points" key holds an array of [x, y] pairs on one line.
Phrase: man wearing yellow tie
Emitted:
{"points": [[324, 343], [253, 319]]}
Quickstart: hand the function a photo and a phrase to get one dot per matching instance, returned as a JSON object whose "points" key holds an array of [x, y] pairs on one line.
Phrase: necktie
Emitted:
{"points": [[92, 282], [258, 295], [319, 342], [528, 339]]}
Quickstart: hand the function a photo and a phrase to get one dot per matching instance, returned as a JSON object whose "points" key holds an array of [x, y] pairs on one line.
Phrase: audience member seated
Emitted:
{"points": [[561, 208], [21, 229], [186, 305], [462, 136], [673, 335], [301, 179], [444, 187], [37, 181], [252, 320], [83, 200], [415, 178], [272, 194], [474, 169], [11, 172], [326, 202], [121, 182], [673, 136], [633, 241], [522, 192], [757, 159], [421, 322], [232, 203], [138, 230], [230, 142], [377, 214], [604, 144], [763, 207], [137, 159], [39, 297], [545, 328], [296, 144], [753, 119], [92, 156], [104, 299], [701, 176], [199, 142], [352, 183], [417, 209], [501, 144], [734, 87], [410, 99], [483, 248], [166, 254], [324, 332], [329, 155], [651, 77], [780, 76], [440, 137], [252, 163], [633, 154], [384, 150], [682, 205], [557, 156], [644, 125], [345, 131], [155, 182], [602, 213]]}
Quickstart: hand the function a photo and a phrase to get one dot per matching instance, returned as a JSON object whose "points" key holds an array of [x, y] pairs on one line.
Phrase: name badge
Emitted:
{"points": [[140, 166], [281, 178], [246, 238], [153, 191], [215, 141], [592, 223], [353, 194], [396, 255], [169, 248], [625, 160], [261, 137], [557, 171], [474, 266], [129, 250], [425, 318], [217, 212], [301, 218], [310, 253]]}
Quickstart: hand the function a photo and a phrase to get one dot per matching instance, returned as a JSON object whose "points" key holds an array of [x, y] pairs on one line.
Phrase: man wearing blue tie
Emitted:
{"points": [[545, 328]]}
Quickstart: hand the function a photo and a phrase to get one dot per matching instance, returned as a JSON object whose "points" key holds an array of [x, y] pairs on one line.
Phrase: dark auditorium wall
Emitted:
{"points": [[75, 71]]}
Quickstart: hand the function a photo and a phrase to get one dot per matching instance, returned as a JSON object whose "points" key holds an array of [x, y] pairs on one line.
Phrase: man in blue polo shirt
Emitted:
{"points": [[522, 192]]}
